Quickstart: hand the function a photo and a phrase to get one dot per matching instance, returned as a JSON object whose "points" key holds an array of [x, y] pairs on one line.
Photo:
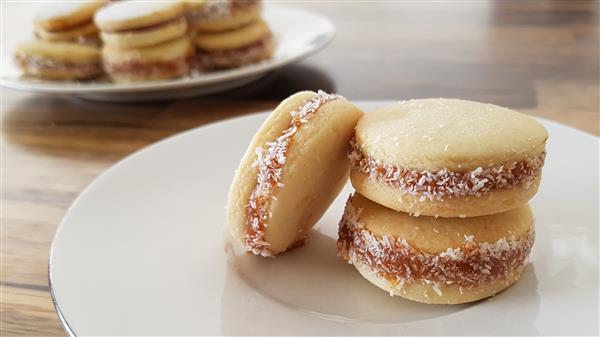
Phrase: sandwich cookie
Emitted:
{"points": [[221, 15], [436, 261], [58, 60], [68, 21], [135, 24], [163, 61], [294, 168], [249, 44], [447, 157]]}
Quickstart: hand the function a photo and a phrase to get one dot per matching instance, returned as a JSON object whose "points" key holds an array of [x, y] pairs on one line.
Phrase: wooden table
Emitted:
{"points": [[537, 57]]}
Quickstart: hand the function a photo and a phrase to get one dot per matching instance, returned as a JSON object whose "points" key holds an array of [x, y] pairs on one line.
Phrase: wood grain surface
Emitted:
{"points": [[538, 57]]}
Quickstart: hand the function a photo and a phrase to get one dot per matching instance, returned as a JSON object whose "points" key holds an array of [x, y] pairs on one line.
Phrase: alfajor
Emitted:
{"points": [[144, 41], [246, 45], [435, 260], [294, 167], [447, 157], [163, 61], [220, 15], [70, 21], [58, 60], [135, 24]]}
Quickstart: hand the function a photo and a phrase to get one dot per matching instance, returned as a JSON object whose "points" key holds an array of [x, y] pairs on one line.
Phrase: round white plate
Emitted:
{"points": [[144, 251], [298, 34]]}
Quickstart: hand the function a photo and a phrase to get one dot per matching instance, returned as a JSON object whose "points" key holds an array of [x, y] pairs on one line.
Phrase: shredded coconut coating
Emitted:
{"points": [[472, 264], [219, 9], [227, 58], [36, 65], [436, 185], [270, 161]]}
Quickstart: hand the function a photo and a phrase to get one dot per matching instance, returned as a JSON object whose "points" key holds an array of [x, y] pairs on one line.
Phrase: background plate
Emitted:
{"points": [[298, 34], [144, 251]]}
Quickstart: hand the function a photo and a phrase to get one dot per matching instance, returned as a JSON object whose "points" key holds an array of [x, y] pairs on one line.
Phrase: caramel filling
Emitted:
{"points": [[178, 66], [254, 52], [35, 64], [77, 25], [435, 185], [174, 21], [395, 259], [270, 160]]}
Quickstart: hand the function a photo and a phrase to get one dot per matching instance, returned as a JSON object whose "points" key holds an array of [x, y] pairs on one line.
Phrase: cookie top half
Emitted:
{"points": [[454, 134]]}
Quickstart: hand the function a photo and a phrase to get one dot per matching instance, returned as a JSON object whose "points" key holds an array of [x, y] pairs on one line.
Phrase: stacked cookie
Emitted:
{"points": [[295, 166], [68, 22], [144, 41], [66, 45], [228, 33], [441, 214]]}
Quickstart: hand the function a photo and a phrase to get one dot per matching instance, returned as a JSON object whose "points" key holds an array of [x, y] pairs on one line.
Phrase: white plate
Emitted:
{"points": [[298, 34], [144, 251]]}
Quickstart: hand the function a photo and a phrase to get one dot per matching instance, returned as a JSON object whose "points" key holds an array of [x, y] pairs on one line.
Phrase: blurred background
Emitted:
{"points": [[539, 57]]}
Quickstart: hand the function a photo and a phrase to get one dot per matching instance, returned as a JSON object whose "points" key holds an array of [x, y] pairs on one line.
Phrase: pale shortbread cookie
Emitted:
{"points": [[133, 14], [221, 15], [137, 38], [66, 15], [163, 61], [249, 44], [58, 60], [294, 167], [233, 39], [447, 157], [436, 260], [236, 57]]}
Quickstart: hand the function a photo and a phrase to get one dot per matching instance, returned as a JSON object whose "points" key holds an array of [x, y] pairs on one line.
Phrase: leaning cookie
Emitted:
{"points": [[135, 24], [163, 61], [447, 157], [250, 44], [293, 169], [68, 21], [429, 260], [58, 60], [220, 15]]}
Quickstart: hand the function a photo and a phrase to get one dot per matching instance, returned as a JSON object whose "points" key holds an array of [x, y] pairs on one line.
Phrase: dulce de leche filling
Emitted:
{"points": [[173, 21], [175, 66], [252, 53], [435, 185], [472, 264], [270, 161], [34, 64]]}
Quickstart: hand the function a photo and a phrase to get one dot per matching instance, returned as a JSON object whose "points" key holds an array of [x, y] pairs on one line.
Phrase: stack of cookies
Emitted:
{"points": [[228, 33], [144, 41], [441, 214], [67, 43], [441, 211]]}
